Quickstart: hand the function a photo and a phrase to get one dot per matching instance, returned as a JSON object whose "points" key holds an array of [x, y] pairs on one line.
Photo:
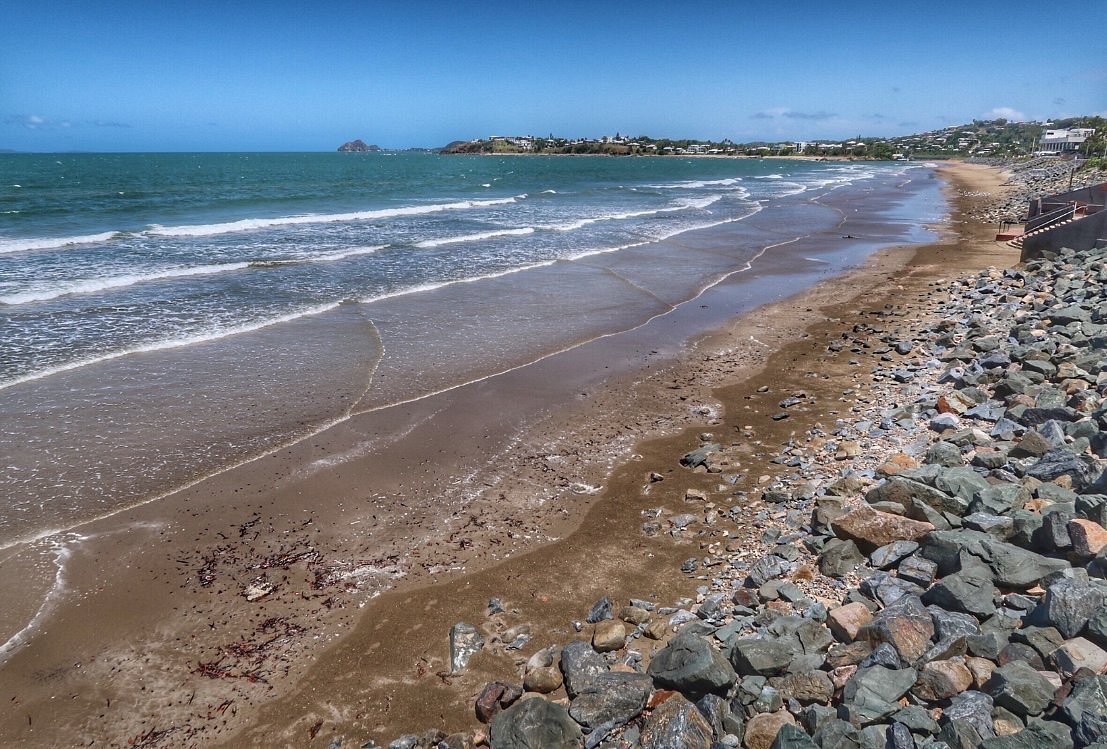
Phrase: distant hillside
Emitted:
{"points": [[357, 146]]}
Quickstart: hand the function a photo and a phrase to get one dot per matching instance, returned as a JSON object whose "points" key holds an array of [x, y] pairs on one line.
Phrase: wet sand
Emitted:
{"points": [[164, 649]]}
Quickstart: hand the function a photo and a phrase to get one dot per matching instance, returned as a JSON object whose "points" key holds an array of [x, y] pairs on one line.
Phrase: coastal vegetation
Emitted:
{"points": [[980, 138]]}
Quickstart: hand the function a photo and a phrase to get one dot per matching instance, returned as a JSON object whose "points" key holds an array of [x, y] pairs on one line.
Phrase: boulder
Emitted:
{"points": [[970, 591], [871, 529], [940, 680], [609, 635], [806, 688], [1076, 654], [580, 664], [903, 491], [1085, 709], [1019, 688], [846, 621], [1038, 734], [612, 698], [1087, 536], [495, 697], [792, 737], [691, 666], [760, 656], [676, 724], [839, 558], [762, 729], [535, 724], [974, 708], [906, 625], [1068, 605]]}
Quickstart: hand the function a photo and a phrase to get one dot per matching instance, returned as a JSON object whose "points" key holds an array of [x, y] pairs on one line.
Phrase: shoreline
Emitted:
{"points": [[281, 531], [542, 599]]}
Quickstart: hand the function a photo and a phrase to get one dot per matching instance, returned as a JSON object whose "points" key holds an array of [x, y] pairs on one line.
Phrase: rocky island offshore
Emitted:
{"points": [[358, 146]]}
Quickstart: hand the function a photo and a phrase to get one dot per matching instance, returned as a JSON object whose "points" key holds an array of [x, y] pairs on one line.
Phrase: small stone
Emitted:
{"points": [[609, 635], [495, 697], [601, 610], [465, 642], [846, 621]]}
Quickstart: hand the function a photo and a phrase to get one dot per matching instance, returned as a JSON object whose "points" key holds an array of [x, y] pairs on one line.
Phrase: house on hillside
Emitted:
{"points": [[1065, 140]]}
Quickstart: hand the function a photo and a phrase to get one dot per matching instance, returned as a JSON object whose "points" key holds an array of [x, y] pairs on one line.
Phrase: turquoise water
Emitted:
{"points": [[104, 254], [165, 315]]}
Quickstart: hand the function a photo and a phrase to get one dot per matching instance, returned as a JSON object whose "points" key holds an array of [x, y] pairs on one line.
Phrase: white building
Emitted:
{"points": [[1059, 141]]}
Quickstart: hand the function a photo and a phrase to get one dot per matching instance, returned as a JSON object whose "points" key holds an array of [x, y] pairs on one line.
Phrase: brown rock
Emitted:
{"points": [[905, 625], [542, 672], [656, 630], [954, 402], [761, 730], [495, 697], [896, 463], [846, 621], [807, 688], [847, 449], [871, 529], [940, 680], [981, 670], [1088, 537], [609, 635], [839, 676], [634, 615]]}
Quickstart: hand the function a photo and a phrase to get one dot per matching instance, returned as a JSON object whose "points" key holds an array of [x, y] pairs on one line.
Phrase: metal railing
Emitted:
{"points": [[1046, 220]]}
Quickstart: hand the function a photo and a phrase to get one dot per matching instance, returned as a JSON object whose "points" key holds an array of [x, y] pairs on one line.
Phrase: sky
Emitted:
{"points": [[225, 75]]}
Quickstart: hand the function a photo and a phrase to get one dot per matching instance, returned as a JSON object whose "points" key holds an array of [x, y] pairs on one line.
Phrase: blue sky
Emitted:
{"points": [[156, 75]]}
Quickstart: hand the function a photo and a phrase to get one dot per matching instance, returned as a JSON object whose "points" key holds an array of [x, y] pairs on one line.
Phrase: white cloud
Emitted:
{"points": [[1007, 113]]}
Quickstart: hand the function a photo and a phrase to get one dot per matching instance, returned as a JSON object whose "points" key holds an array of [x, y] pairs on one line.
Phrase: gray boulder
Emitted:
{"points": [[611, 698], [535, 724], [691, 666], [1019, 688], [580, 664], [1068, 605], [761, 656], [1085, 710], [793, 737]]}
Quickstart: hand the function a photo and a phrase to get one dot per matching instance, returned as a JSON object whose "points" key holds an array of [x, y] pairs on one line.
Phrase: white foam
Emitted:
{"points": [[108, 283], [253, 224], [210, 335], [697, 184], [53, 243], [475, 237], [62, 553], [770, 176], [683, 205], [421, 288]]}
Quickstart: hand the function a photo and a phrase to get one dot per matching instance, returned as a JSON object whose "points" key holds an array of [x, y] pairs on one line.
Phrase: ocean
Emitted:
{"points": [[165, 316]]}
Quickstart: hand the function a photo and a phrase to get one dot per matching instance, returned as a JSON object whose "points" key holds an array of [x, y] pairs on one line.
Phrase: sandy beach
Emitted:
{"points": [[234, 614]]}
